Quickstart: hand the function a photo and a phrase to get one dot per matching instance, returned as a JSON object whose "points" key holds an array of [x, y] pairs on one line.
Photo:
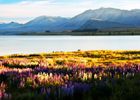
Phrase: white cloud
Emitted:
{"points": [[64, 9], [31, 9]]}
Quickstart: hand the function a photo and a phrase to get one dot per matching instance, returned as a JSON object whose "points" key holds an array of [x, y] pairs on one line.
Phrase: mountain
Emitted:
{"points": [[42, 23], [39, 24], [136, 10], [10, 28], [107, 14], [46, 22], [101, 24], [9, 25], [113, 18]]}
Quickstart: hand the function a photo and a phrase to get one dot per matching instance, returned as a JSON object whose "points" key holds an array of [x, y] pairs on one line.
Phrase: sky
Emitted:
{"points": [[23, 11]]}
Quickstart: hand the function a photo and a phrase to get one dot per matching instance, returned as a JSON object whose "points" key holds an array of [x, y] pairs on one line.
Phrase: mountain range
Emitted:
{"points": [[101, 24], [102, 18]]}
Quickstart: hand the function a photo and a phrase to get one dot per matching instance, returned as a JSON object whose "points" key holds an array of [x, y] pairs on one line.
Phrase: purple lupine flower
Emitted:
{"points": [[124, 83], [72, 90], [101, 83], [42, 92], [48, 90], [59, 93], [5, 96], [133, 86], [98, 85], [105, 83], [14, 80], [122, 89], [111, 80], [36, 94], [30, 91], [10, 96], [68, 91], [55, 94], [87, 88], [47, 97]]}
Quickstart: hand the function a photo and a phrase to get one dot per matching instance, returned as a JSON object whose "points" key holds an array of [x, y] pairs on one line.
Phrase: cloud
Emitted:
{"points": [[37, 8], [32, 9]]}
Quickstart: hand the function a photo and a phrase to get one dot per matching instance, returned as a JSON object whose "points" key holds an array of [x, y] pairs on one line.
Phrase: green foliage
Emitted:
{"points": [[25, 96]]}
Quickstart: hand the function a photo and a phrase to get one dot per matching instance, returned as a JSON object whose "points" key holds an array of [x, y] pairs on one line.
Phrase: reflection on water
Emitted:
{"points": [[40, 44]]}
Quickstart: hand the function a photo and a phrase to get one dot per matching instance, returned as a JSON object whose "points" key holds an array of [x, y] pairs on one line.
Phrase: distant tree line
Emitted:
{"points": [[86, 30], [47, 31]]}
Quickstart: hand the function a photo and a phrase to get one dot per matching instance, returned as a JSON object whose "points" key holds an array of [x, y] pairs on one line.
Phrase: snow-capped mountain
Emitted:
{"points": [[42, 23], [107, 14], [39, 24], [101, 24], [136, 10], [46, 21], [10, 25]]}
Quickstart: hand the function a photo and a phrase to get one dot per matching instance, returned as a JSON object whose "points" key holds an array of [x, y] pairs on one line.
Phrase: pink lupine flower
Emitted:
{"points": [[52, 80], [21, 84], [2, 85], [10, 96], [5, 95], [0, 94], [34, 84], [44, 91]]}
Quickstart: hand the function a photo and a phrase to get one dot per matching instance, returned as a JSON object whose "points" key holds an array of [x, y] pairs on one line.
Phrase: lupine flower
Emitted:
{"points": [[5, 96], [0, 94], [48, 90], [36, 94], [106, 83], [10, 96], [133, 86], [21, 84], [42, 92], [59, 93], [95, 76], [2, 85], [67, 73], [47, 97], [100, 78]]}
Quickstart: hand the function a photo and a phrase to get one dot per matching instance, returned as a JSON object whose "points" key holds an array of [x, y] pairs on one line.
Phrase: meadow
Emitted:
{"points": [[83, 75]]}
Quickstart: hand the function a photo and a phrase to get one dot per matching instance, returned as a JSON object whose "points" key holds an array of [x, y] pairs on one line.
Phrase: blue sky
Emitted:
{"points": [[24, 10], [16, 1]]}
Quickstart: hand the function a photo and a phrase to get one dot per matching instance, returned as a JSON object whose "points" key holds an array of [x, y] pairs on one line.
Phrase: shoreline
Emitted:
{"points": [[63, 53], [101, 32], [78, 34]]}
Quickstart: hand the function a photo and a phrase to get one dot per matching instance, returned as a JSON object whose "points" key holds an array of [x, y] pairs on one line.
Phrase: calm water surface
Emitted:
{"points": [[40, 44]]}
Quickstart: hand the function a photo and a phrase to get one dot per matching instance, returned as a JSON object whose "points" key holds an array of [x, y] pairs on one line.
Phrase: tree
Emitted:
{"points": [[47, 31]]}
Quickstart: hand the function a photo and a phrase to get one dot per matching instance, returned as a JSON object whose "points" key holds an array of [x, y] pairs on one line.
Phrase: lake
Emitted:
{"points": [[46, 44]]}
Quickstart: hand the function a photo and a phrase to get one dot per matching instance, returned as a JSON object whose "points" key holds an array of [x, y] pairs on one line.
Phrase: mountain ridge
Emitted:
{"points": [[102, 24], [57, 23]]}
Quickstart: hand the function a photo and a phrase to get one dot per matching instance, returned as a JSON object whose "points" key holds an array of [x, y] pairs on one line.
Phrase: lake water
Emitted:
{"points": [[46, 44]]}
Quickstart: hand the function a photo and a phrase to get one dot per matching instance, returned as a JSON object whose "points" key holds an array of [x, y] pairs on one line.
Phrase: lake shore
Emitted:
{"points": [[82, 33], [102, 32]]}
